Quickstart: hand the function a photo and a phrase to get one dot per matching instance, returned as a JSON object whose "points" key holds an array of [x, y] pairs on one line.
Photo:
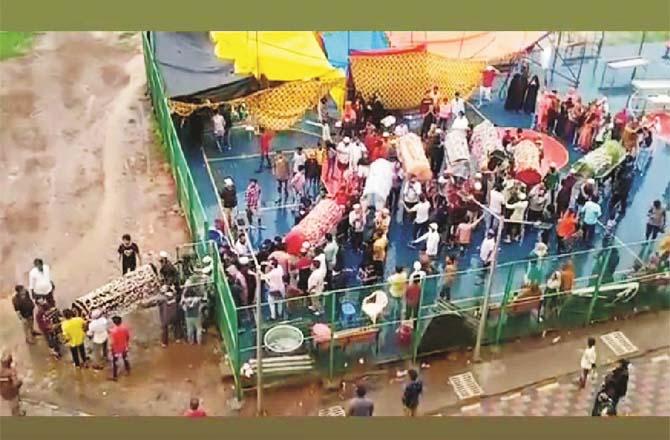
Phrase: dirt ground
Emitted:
{"points": [[80, 168]]}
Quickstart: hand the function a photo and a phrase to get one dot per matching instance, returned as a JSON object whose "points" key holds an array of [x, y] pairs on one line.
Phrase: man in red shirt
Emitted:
{"points": [[194, 409], [265, 141], [412, 295], [488, 76], [119, 338]]}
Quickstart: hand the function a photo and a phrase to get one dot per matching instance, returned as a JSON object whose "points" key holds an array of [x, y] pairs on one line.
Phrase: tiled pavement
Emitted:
{"points": [[648, 394]]}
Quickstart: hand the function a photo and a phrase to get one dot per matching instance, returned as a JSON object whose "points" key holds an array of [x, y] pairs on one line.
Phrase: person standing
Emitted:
{"points": [[397, 286], [330, 251], [298, 184], [410, 195], [538, 200], [265, 144], [457, 105], [488, 77], [39, 282], [274, 278], [316, 285], [98, 330], [192, 305], [550, 182], [450, 270], [412, 393], [73, 328], [129, 254], [167, 304], [282, 173], [421, 214], [486, 252], [48, 321], [360, 406], [119, 338], [591, 212], [518, 214], [252, 196], [616, 383], [24, 307], [588, 361], [219, 124], [565, 229], [412, 298], [379, 245], [464, 232], [357, 226], [655, 220], [194, 410], [432, 239], [10, 384]]}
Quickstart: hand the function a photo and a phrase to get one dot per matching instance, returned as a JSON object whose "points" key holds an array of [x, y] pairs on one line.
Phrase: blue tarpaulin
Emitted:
{"points": [[338, 44]]}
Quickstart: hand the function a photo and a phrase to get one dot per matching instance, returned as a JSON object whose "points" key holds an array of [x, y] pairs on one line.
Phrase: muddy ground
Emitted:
{"points": [[80, 168]]}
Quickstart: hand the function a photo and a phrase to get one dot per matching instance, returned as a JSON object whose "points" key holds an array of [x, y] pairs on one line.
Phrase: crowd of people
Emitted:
{"points": [[445, 212]]}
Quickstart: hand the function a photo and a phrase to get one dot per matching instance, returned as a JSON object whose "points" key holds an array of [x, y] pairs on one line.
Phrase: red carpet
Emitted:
{"points": [[664, 119], [554, 151]]}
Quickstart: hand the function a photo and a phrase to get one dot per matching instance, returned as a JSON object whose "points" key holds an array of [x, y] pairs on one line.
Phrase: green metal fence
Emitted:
{"points": [[608, 283], [189, 200]]}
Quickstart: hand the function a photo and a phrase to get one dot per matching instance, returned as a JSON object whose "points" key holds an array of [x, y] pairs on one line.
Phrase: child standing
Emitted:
{"points": [[588, 362]]}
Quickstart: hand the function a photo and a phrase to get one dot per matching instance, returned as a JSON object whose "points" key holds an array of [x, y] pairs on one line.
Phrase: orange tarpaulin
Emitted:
{"points": [[485, 46]]}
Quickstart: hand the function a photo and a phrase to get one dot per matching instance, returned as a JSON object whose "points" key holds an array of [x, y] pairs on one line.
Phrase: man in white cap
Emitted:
{"points": [[418, 272], [432, 239], [97, 331], [488, 77], [357, 226], [516, 217]]}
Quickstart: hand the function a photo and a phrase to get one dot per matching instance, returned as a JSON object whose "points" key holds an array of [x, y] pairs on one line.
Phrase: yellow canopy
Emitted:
{"points": [[277, 55]]}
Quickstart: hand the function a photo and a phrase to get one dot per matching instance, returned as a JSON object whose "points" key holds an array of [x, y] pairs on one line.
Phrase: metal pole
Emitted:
{"points": [[556, 54], [639, 52], [581, 65], [259, 346], [487, 295], [259, 301]]}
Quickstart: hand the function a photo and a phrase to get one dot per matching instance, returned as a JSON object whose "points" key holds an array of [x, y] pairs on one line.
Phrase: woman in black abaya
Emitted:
{"points": [[516, 92], [531, 95]]}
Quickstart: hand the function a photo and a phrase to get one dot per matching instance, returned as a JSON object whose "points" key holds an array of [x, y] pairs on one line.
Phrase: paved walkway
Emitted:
{"points": [[516, 366], [648, 394]]}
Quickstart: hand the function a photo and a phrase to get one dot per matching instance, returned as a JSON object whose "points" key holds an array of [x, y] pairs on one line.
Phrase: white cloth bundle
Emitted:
{"points": [[456, 147], [485, 139], [380, 178], [526, 156]]}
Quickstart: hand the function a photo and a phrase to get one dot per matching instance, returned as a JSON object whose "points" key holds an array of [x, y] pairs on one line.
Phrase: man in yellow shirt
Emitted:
{"points": [[397, 286], [379, 252], [74, 330]]}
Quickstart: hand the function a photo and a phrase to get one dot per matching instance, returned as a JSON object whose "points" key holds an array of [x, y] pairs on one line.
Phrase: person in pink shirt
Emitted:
{"points": [[444, 114], [298, 184]]}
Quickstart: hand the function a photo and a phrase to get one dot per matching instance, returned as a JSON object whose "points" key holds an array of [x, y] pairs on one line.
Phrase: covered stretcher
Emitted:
{"points": [[413, 157], [323, 218]]}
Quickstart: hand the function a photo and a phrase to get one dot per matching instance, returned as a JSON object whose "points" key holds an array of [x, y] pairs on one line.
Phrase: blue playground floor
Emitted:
{"points": [[242, 163]]}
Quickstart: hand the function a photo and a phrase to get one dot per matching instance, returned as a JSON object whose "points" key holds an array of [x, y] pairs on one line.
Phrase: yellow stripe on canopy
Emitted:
{"points": [[277, 55]]}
